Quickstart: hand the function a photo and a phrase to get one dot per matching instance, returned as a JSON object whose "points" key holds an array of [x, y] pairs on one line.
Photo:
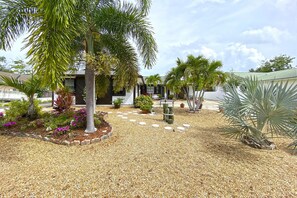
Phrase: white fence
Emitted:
{"points": [[11, 95]]}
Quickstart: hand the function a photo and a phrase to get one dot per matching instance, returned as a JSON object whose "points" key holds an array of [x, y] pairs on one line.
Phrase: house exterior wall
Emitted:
{"points": [[128, 98], [216, 95]]}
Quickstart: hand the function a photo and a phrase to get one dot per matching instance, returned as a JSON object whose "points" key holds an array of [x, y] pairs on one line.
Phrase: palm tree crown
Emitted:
{"points": [[61, 29]]}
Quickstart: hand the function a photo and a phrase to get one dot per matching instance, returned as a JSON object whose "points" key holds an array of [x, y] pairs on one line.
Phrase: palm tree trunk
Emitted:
{"points": [[31, 113], [90, 87], [187, 98]]}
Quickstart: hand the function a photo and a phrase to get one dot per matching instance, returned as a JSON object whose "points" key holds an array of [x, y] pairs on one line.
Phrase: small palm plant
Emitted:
{"points": [[258, 110], [29, 88]]}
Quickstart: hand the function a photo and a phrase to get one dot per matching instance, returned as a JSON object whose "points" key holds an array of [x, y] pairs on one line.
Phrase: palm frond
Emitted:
{"points": [[15, 19], [125, 19]]}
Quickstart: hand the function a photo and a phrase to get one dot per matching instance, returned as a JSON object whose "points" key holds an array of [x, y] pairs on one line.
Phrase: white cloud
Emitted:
{"points": [[266, 34], [208, 52], [239, 57], [198, 2], [285, 4]]}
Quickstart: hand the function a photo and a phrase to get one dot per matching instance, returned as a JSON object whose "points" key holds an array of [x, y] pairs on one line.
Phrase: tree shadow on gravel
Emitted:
{"points": [[216, 143]]}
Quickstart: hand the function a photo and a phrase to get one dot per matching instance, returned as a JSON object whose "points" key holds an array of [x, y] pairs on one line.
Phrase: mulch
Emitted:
{"points": [[142, 161]]}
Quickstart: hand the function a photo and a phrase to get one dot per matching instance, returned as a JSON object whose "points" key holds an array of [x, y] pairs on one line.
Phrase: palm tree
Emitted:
{"points": [[258, 110], [29, 88], [60, 29], [197, 73], [153, 80], [173, 81]]}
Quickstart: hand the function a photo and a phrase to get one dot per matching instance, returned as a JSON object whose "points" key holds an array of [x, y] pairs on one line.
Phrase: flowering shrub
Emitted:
{"points": [[61, 130], [64, 100], [80, 119], [1, 115], [9, 124]]}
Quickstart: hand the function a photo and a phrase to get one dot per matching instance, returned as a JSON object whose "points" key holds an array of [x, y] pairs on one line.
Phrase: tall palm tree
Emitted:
{"points": [[197, 73], [29, 88], [60, 29]]}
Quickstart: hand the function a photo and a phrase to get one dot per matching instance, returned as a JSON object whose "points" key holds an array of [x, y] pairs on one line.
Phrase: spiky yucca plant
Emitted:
{"points": [[258, 110]]}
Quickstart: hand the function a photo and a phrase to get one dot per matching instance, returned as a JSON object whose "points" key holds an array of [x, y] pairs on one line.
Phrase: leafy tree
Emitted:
{"points": [[59, 30], [197, 73], [278, 63], [258, 110], [29, 88], [3, 64], [20, 67]]}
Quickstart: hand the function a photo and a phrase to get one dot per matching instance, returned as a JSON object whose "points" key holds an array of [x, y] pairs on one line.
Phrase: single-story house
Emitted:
{"points": [[159, 90], [10, 93], [76, 83], [289, 75]]}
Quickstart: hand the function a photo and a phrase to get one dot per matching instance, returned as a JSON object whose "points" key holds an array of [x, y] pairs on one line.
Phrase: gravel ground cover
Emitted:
{"points": [[146, 161]]}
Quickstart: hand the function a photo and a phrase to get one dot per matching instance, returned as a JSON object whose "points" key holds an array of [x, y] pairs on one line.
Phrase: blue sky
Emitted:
{"points": [[240, 33]]}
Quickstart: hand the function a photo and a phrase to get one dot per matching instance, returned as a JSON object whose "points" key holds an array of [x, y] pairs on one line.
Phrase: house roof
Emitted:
{"points": [[265, 76], [21, 77], [140, 79]]}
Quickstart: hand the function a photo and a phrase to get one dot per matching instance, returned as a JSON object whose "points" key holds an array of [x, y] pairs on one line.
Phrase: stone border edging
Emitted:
{"points": [[65, 142]]}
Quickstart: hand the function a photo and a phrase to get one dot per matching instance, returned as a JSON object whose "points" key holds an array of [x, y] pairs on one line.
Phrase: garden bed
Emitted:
{"points": [[75, 137]]}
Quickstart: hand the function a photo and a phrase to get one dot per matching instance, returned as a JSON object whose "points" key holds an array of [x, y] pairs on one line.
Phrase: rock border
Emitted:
{"points": [[64, 142]]}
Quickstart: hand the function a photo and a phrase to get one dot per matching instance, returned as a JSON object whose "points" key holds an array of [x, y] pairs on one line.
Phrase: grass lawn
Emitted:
{"points": [[142, 161]]}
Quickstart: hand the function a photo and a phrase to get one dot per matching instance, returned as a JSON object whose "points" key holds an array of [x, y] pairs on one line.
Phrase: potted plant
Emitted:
{"points": [[182, 105], [117, 103]]}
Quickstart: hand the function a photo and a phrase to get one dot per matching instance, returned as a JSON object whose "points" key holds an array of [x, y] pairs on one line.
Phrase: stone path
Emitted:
{"points": [[139, 120]]}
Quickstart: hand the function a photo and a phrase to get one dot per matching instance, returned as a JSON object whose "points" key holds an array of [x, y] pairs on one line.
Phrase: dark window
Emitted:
{"points": [[210, 89], [119, 93], [69, 82]]}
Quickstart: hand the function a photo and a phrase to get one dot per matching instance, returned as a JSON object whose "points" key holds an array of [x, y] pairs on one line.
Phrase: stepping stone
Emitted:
{"points": [[135, 113], [120, 116], [155, 125], [181, 129], [125, 113], [109, 112], [186, 125], [142, 123], [119, 112], [125, 118], [132, 120], [129, 112], [168, 128]]}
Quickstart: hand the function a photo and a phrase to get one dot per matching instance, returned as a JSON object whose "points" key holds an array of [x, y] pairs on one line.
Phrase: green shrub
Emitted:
{"points": [[56, 121], [97, 121], [171, 96], [117, 102], [19, 108], [144, 102]]}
